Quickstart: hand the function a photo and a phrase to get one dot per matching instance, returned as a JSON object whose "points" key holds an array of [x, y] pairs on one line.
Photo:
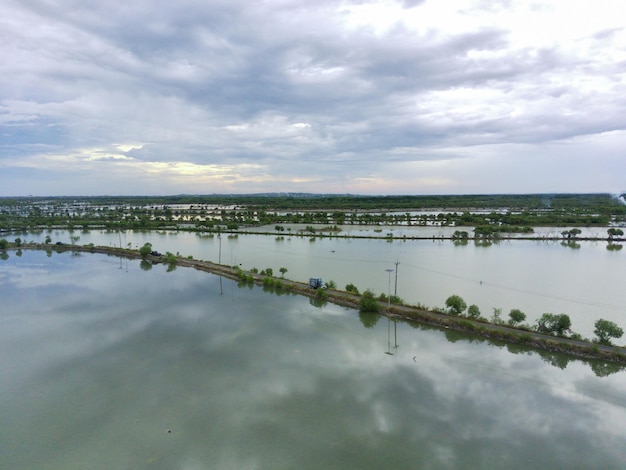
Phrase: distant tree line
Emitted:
{"points": [[490, 214]]}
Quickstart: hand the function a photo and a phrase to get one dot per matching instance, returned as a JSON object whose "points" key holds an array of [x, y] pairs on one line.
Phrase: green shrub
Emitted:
{"points": [[516, 316], [554, 324], [368, 302], [473, 311], [352, 288], [145, 249], [496, 318], [467, 325], [605, 330], [321, 294], [456, 305], [170, 258]]}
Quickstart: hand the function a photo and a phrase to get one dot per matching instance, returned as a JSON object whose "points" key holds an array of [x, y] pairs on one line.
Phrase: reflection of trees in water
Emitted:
{"points": [[614, 246], [518, 349], [600, 368], [454, 336], [369, 319], [318, 302], [554, 359], [272, 289], [246, 283], [557, 359], [604, 369]]}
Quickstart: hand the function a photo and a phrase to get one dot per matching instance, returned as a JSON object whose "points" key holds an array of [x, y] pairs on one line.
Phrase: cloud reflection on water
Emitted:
{"points": [[243, 377]]}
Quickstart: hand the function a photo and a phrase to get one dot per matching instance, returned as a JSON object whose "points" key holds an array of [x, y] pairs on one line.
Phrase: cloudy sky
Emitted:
{"points": [[355, 96]]}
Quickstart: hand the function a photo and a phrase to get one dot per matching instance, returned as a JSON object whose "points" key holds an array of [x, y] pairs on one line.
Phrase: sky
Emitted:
{"points": [[362, 97]]}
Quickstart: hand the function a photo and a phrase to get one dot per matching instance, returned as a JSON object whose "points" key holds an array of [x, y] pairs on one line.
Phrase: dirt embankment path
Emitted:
{"points": [[501, 332], [506, 333]]}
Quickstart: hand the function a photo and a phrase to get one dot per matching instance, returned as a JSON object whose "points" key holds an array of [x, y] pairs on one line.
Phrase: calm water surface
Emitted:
{"points": [[106, 365], [586, 282]]}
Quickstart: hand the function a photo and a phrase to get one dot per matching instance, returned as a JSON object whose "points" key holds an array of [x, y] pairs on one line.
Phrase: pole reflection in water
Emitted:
{"points": [[395, 337]]}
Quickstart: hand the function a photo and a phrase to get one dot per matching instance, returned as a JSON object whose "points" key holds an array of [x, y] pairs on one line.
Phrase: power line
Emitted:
{"points": [[522, 291], [462, 278]]}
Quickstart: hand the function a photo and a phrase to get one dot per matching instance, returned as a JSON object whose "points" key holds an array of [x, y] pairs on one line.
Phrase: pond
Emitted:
{"points": [[108, 363], [585, 282]]}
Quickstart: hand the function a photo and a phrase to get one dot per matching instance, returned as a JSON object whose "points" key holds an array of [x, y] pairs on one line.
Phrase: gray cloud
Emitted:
{"points": [[272, 86]]}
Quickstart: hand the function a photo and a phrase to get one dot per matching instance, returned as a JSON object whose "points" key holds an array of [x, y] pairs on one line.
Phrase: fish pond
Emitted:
{"points": [[113, 363], [584, 279]]}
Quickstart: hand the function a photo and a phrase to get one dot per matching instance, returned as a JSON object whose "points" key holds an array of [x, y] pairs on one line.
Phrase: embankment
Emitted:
{"points": [[582, 349]]}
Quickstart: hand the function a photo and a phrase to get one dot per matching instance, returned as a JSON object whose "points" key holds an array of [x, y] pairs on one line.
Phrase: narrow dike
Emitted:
{"points": [[577, 348]]}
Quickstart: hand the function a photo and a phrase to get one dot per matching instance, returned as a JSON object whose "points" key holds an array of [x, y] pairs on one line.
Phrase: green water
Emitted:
{"points": [[105, 365]]}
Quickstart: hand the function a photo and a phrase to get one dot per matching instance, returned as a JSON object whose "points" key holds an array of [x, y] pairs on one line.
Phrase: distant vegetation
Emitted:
{"points": [[491, 215]]}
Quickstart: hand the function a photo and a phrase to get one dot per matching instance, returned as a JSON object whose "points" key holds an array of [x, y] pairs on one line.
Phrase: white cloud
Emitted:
{"points": [[313, 96]]}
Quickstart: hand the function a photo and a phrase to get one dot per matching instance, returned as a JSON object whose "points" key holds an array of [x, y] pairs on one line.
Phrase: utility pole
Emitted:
{"points": [[395, 289]]}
